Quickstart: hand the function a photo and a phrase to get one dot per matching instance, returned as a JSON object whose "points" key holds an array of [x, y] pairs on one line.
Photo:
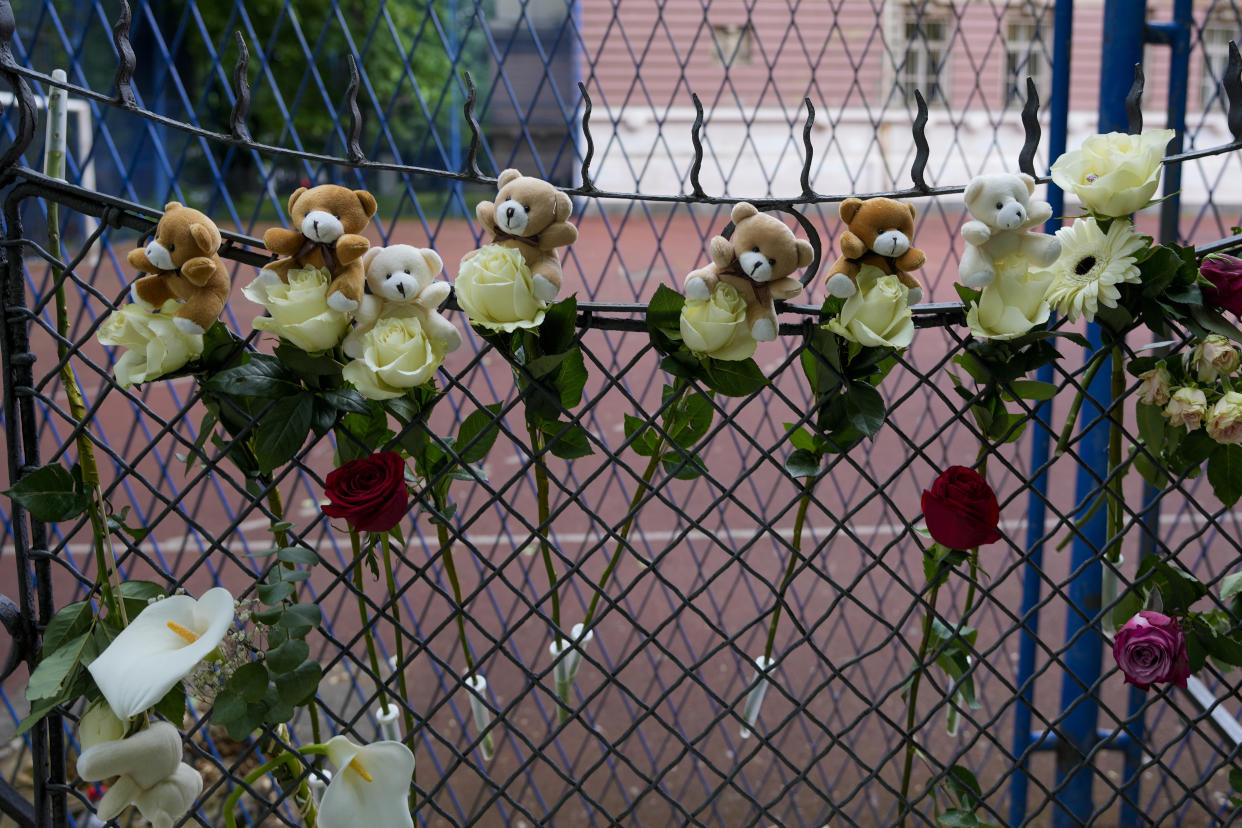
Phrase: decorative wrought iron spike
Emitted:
{"points": [[921, 150], [1134, 101], [1030, 123], [27, 115], [471, 165], [1232, 84], [354, 138], [125, 60], [241, 91], [697, 165], [808, 151], [590, 141]]}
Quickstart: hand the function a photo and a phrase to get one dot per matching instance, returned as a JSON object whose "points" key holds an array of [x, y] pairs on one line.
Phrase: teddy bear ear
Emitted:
{"points": [[850, 208], [972, 190], [367, 201], [434, 263], [506, 177], [369, 257], [294, 196], [805, 252], [202, 236], [910, 207], [564, 207], [742, 211], [172, 205], [1029, 182]]}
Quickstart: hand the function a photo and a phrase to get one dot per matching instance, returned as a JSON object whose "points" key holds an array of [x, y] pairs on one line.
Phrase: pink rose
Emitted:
{"points": [[1156, 387], [1187, 407], [1151, 648], [1214, 357], [1225, 274], [1224, 421]]}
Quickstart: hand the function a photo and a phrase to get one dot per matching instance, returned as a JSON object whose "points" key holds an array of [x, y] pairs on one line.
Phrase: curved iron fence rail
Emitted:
{"points": [[653, 740]]}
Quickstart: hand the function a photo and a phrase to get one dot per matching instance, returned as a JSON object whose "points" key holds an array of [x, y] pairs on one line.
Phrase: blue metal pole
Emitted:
{"points": [[1122, 48], [1041, 440]]}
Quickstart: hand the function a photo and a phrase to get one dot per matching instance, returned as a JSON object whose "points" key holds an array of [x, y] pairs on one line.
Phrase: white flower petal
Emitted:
{"points": [[381, 802]]}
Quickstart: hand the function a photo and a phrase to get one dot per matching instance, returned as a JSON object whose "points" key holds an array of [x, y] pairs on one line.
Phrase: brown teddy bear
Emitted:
{"points": [[184, 265], [532, 217], [757, 263], [881, 233], [328, 219]]}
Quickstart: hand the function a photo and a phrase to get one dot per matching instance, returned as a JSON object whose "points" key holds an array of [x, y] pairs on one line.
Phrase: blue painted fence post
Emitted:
{"points": [[1122, 48]]}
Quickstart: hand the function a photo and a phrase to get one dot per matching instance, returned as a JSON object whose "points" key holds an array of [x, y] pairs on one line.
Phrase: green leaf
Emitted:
{"points": [[1230, 586], [50, 494], [802, 463], [568, 441], [172, 706], [1151, 425], [800, 438], [1195, 653], [646, 442], [1235, 779], [733, 378], [1224, 472], [56, 670], [865, 407], [958, 819], [1222, 647], [1129, 606], [683, 466], [261, 376], [278, 711], [299, 686], [689, 420], [272, 594], [306, 365], [69, 622], [1033, 389], [1213, 322], [477, 434], [965, 785], [297, 555], [287, 656], [300, 619], [39, 709], [358, 435], [572, 379], [664, 310], [282, 430], [560, 321], [250, 681]]}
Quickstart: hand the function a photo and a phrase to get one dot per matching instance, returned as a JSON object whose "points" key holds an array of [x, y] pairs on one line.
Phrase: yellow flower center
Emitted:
{"points": [[357, 768], [189, 635]]}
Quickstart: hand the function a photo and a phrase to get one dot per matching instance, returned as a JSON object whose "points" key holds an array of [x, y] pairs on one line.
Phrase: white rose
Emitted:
{"points": [[878, 313], [391, 358], [495, 289], [716, 326], [298, 311], [1214, 357], [155, 345], [1013, 303], [1114, 174]]}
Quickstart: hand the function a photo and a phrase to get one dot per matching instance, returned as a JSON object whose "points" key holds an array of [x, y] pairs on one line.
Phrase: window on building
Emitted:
{"points": [[1028, 41], [922, 56], [1214, 46], [734, 42]]}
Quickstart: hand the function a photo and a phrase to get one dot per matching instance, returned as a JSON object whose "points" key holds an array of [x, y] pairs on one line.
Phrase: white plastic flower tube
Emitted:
{"points": [[754, 699], [567, 658], [481, 712], [159, 648]]}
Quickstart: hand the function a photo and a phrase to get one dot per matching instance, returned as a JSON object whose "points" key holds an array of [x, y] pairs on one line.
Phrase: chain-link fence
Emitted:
{"points": [[656, 735]]}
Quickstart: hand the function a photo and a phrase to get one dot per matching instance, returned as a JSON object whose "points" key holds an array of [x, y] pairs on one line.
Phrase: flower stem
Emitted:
{"points": [[286, 760], [1067, 432], [912, 704], [794, 557], [407, 713], [356, 543], [1116, 475], [450, 569], [545, 510]]}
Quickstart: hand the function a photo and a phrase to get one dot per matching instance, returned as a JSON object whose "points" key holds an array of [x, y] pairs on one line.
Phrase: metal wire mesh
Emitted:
{"points": [[655, 741]]}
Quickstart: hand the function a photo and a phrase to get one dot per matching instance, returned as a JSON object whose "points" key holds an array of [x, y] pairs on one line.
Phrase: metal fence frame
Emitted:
{"points": [[1076, 737]]}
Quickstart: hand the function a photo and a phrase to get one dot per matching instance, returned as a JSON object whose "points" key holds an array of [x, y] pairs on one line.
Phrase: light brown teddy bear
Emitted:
{"points": [[531, 216], [881, 233], [183, 259], [757, 263], [328, 219]]}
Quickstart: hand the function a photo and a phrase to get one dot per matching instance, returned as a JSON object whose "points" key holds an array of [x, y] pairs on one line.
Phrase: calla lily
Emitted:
{"points": [[370, 787], [159, 648], [148, 769]]}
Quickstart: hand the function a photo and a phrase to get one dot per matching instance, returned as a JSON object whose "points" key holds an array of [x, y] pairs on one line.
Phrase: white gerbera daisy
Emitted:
{"points": [[1091, 265]]}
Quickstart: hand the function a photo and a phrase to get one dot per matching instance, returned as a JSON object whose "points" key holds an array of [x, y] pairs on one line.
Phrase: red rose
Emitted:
{"points": [[1225, 274], [1151, 648], [961, 509], [369, 493]]}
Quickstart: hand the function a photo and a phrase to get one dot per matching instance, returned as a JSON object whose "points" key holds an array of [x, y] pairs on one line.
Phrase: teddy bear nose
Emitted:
{"points": [[509, 212], [401, 289]]}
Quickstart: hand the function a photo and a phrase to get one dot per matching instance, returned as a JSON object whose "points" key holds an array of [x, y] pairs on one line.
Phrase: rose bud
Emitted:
{"points": [[1157, 384], [1151, 648], [1225, 274], [369, 493], [961, 509], [1214, 357], [1187, 407], [1224, 421]]}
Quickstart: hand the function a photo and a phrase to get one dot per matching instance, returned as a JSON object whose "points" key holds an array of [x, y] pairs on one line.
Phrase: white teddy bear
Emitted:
{"points": [[402, 282], [1003, 214]]}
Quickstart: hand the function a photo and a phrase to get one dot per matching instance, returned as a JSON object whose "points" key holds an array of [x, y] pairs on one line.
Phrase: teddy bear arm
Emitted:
{"points": [[139, 261], [434, 294], [1040, 212], [786, 288], [199, 270], [349, 282], [976, 232], [560, 234], [912, 259], [852, 247], [721, 251], [282, 241], [351, 247], [153, 290], [485, 212]]}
